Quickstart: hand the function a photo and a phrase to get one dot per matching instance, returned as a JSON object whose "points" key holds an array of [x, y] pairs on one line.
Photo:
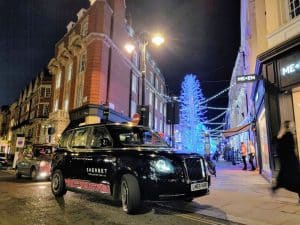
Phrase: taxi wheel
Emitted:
{"points": [[58, 185], [33, 174], [190, 199], [130, 194]]}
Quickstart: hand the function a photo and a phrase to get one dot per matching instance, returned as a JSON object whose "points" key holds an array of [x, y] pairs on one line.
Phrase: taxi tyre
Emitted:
{"points": [[189, 199], [33, 174], [130, 194], [58, 186]]}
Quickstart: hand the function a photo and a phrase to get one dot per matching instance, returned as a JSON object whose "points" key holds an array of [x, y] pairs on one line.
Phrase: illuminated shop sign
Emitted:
{"points": [[248, 78], [290, 69]]}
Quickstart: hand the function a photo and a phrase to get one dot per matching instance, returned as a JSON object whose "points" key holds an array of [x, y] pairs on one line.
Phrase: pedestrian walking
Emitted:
{"points": [[244, 154], [289, 173], [251, 155]]}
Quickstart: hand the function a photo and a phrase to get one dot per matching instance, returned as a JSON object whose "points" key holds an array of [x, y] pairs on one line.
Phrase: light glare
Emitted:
{"points": [[129, 47], [158, 39]]}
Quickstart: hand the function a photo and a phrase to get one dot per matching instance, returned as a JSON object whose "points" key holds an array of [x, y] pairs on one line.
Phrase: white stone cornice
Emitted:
{"points": [[109, 42], [64, 57], [76, 44]]}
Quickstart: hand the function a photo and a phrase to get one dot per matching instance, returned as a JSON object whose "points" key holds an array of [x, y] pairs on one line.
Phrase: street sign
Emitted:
{"points": [[248, 78], [20, 142]]}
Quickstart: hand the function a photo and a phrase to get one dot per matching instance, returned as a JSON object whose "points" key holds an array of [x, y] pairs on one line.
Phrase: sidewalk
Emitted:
{"points": [[245, 197]]}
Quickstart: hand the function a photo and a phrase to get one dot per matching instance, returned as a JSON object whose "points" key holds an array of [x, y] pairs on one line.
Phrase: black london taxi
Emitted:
{"points": [[128, 163]]}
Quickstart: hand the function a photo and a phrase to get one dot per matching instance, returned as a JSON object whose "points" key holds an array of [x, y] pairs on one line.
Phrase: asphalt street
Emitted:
{"points": [[25, 202]]}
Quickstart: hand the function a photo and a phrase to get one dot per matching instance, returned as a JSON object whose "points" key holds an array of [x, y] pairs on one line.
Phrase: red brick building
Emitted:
{"points": [[92, 71]]}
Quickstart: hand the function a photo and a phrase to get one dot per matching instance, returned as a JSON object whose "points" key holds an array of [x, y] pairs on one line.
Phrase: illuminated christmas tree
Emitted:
{"points": [[192, 115]]}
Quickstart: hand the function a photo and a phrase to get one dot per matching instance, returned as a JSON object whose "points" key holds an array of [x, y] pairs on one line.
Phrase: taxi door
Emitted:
{"points": [[100, 169], [79, 155]]}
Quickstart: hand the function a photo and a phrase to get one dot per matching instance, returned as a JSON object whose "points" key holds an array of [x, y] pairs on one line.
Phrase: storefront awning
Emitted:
{"points": [[236, 130]]}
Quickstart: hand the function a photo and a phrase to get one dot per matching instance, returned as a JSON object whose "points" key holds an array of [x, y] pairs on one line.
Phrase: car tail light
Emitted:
{"points": [[43, 164]]}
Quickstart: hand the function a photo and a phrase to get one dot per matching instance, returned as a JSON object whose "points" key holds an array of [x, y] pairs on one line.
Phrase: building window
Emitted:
{"points": [[160, 126], [79, 96], [135, 58], [161, 107], [150, 98], [294, 8], [58, 78], [134, 84], [55, 105], [69, 72], [45, 109], [150, 119], [133, 108], [156, 103], [82, 63], [47, 92], [150, 78], [66, 105]]}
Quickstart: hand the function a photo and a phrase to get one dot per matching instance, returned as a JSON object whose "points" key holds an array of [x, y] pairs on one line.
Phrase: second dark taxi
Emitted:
{"points": [[128, 163]]}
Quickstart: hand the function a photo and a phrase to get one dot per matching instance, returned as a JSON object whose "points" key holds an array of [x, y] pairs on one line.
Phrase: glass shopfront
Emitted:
{"points": [[277, 99], [296, 104], [264, 146]]}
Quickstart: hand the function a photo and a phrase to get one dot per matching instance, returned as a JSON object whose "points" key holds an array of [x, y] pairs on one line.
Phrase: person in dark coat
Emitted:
{"points": [[289, 173]]}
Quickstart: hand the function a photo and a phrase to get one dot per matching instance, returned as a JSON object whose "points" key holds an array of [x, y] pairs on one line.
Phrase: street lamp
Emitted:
{"points": [[156, 39]]}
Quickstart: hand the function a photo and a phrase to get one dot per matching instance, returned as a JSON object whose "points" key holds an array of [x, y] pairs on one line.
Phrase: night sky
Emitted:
{"points": [[202, 37]]}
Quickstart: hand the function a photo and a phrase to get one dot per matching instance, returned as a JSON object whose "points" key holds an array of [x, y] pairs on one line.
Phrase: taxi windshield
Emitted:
{"points": [[134, 136]]}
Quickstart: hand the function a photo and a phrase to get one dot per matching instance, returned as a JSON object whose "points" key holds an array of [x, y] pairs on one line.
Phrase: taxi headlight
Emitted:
{"points": [[163, 166]]}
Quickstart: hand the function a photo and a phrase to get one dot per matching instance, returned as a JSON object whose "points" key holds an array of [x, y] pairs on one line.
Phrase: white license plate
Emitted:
{"points": [[199, 186]]}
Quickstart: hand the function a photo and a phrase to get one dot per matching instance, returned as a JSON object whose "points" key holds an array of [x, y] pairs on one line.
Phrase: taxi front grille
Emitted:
{"points": [[194, 168]]}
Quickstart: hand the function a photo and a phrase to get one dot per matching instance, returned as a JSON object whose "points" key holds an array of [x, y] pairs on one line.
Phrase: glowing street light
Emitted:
{"points": [[157, 39]]}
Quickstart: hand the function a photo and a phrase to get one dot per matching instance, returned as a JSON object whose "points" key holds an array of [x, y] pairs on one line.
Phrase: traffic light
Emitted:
{"points": [[173, 112], [143, 110]]}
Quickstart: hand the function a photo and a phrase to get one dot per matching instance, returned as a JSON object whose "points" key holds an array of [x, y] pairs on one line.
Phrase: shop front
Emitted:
{"points": [[277, 99]]}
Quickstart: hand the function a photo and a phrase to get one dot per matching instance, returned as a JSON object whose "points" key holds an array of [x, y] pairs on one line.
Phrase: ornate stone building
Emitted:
{"points": [[93, 72]]}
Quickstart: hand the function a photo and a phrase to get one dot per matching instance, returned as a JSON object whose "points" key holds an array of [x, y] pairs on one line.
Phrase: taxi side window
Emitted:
{"points": [[100, 138], [79, 138], [63, 143]]}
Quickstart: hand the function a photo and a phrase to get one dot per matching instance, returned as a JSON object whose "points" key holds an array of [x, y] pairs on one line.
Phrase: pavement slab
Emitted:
{"points": [[245, 197]]}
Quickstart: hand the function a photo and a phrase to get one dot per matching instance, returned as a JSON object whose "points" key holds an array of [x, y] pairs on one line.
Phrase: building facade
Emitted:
{"points": [[270, 41], [95, 79], [29, 114], [4, 127]]}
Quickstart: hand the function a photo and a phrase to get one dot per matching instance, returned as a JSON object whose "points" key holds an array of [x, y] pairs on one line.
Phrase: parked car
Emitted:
{"points": [[37, 164], [127, 163], [3, 160]]}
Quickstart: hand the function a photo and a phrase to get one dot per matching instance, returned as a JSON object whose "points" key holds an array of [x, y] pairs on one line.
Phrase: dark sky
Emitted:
{"points": [[202, 37]]}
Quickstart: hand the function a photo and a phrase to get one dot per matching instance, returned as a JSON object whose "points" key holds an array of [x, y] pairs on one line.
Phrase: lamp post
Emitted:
{"points": [[157, 39]]}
